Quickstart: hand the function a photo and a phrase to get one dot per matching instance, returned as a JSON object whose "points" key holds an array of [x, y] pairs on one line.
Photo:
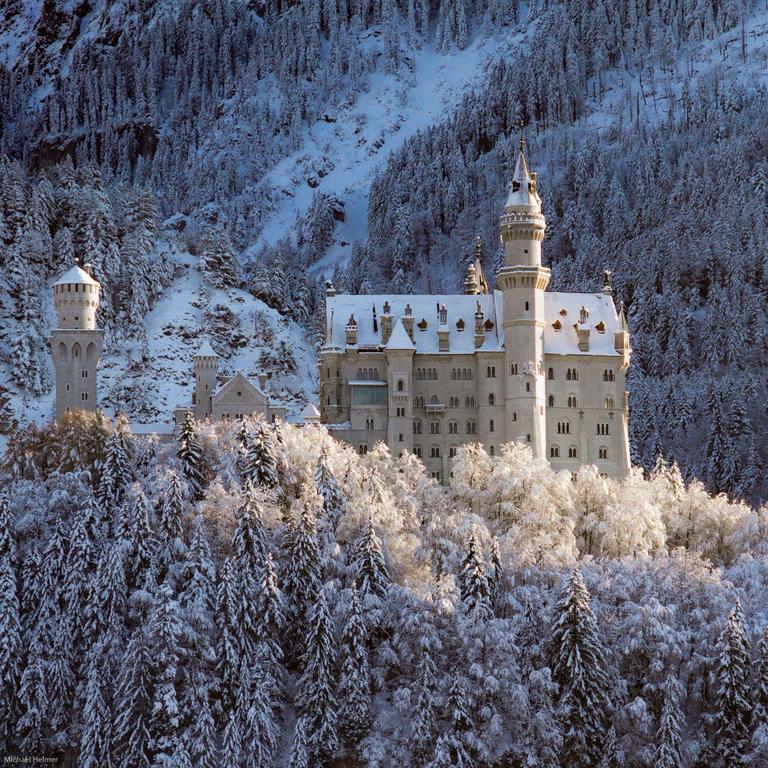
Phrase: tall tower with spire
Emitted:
{"points": [[523, 281], [76, 342]]}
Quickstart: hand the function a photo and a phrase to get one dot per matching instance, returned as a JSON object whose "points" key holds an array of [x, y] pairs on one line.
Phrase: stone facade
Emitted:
{"points": [[235, 398], [76, 342], [428, 374]]}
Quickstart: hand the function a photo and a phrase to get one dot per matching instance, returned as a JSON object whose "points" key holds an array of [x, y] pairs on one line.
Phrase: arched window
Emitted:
{"points": [[491, 451], [527, 306], [433, 400], [491, 399], [490, 372], [551, 374], [551, 401], [513, 369], [452, 451], [453, 427], [469, 401], [434, 452], [572, 452], [554, 451], [514, 417], [603, 429], [417, 450], [362, 449], [563, 428], [471, 428], [571, 401], [608, 374], [527, 386], [609, 403], [434, 427], [417, 427], [490, 426], [400, 385], [602, 452]]}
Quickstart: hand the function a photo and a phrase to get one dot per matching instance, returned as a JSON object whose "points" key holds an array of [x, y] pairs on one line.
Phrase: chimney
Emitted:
{"points": [[351, 331], [607, 287], [408, 321], [329, 289], [263, 378], [88, 269], [443, 331], [375, 321], [386, 328], [479, 327]]}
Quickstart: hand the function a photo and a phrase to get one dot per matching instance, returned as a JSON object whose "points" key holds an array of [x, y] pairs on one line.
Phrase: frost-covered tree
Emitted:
{"points": [[422, 723], [354, 691], [452, 749], [191, 456], [261, 464], [475, 590], [579, 669], [372, 573], [668, 736]]}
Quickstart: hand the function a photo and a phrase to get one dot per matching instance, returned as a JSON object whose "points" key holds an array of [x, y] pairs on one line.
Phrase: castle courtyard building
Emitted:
{"points": [[427, 374]]}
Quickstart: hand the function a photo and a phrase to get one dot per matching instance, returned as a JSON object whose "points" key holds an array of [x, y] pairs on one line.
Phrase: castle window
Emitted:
{"points": [[433, 400], [460, 325], [513, 369], [67, 387], [84, 374], [239, 394], [572, 374], [418, 401], [490, 426], [491, 399], [528, 438], [84, 396], [492, 451], [452, 451], [551, 401], [400, 385], [557, 325], [417, 427], [600, 327], [453, 428], [563, 428], [491, 372], [527, 307], [362, 449], [572, 401], [435, 452], [400, 438], [417, 450], [76, 352], [469, 402], [401, 412], [436, 476], [602, 452], [514, 417], [527, 386], [434, 427], [369, 423], [471, 428], [572, 452], [608, 375], [554, 451], [551, 374], [329, 401], [603, 429], [609, 403]]}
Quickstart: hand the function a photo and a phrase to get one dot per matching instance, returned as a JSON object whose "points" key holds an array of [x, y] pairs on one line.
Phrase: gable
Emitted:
{"points": [[238, 390]]}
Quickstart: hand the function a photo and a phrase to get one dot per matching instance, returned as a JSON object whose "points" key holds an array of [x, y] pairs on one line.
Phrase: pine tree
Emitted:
{"points": [[372, 571], [330, 491], [579, 669], [355, 681], [451, 750], [140, 541], [232, 742], [164, 630], [191, 456], [96, 739], [316, 687], [422, 727], [475, 591], [132, 705], [543, 737], [669, 733], [172, 551], [115, 473], [202, 746], [299, 749], [261, 734], [271, 617], [10, 623], [33, 700], [228, 650], [261, 465], [734, 711]]}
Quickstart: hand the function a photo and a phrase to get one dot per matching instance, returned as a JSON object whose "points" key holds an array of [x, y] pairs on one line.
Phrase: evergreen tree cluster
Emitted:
{"points": [[160, 609]]}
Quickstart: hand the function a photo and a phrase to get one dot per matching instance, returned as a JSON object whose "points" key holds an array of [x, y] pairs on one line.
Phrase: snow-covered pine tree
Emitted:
{"points": [[372, 573], [140, 546], [355, 716], [131, 739], [172, 551], [451, 750], [475, 590], [191, 456], [330, 491], [271, 619], [165, 628], [579, 669], [228, 651], [96, 739], [261, 464], [31, 728], [218, 260], [202, 735], [10, 622], [115, 472], [543, 736], [232, 742], [299, 749], [669, 734], [316, 687], [261, 731], [422, 723], [734, 705]]}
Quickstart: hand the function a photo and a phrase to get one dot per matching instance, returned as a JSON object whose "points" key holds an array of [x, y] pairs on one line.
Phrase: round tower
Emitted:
{"points": [[76, 342], [206, 363], [523, 281]]}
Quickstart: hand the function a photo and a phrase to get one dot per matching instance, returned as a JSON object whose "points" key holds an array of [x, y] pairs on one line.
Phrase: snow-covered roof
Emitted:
{"points": [[205, 350], [424, 311], [563, 309], [76, 276], [310, 413], [239, 380], [399, 339], [523, 196]]}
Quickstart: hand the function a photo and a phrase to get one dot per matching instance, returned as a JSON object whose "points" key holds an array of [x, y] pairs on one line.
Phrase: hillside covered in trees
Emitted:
{"points": [[251, 595]]}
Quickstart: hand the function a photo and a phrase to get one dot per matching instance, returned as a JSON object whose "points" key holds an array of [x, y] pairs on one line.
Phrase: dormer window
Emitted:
{"points": [[422, 326], [563, 312], [557, 325], [600, 327], [460, 325]]}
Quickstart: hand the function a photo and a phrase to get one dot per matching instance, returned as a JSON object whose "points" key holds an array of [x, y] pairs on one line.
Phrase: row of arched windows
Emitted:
{"points": [[554, 452], [368, 374], [426, 374], [463, 374], [574, 403]]}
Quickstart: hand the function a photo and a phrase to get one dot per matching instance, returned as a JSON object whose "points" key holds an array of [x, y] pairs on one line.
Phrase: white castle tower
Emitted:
{"points": [[76, 343], [523, 281], [206, 363]]}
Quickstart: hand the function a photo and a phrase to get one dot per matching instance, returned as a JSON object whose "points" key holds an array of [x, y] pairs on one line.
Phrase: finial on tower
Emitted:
{"points": [[522, 134], [607, 287]]}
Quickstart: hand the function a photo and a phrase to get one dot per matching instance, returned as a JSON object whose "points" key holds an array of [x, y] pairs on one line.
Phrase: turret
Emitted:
{"points": [[206, 364], [76, 343], [523, 281]]}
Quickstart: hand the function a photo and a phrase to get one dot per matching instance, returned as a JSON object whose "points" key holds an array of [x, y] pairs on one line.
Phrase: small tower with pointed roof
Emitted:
{"points": [[206, 364], [76, 342], [523, 281]]}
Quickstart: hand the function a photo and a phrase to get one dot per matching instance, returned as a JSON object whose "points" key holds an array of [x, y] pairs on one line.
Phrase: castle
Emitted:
{"points": [[427, 374], [76, 348]]}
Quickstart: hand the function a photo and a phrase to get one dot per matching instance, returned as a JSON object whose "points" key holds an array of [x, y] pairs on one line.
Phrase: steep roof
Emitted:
{"points": [[523, 196], [205, 350], [399, 339], [310, 413], [562, 313], [76, 276], [239, 383]]}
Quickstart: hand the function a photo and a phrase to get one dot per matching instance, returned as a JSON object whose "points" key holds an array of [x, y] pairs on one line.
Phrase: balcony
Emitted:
{"points": [[434, 408]]}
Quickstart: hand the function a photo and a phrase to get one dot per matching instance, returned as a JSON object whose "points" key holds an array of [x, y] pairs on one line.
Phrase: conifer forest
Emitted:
{"points": [[247, 594]]}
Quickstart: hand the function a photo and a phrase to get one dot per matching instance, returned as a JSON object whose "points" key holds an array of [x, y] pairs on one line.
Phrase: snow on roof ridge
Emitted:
{"points": [[206, 350], [76, 275], [400, 338]]}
